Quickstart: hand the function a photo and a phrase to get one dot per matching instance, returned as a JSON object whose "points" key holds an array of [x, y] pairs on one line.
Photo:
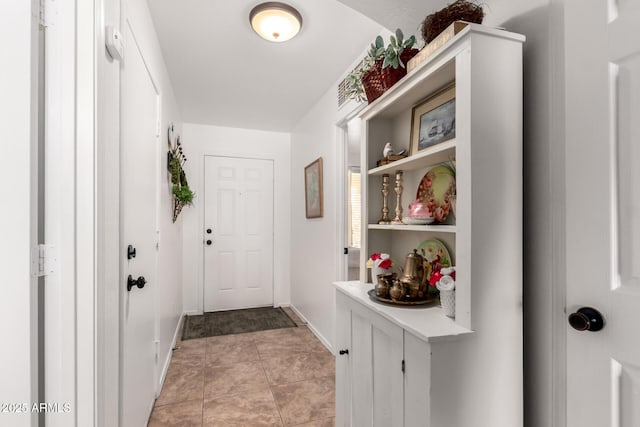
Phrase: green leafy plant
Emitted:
{"points": [[376, 51], [354, 87], [183, 194], [353, 84], [397, 45], [175, 168]]}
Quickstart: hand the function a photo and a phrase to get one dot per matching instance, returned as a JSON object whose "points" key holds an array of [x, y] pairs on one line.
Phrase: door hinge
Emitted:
{"points": [[402, 366], [43, 260], [47, 13], [346, 251], [156, 344]]}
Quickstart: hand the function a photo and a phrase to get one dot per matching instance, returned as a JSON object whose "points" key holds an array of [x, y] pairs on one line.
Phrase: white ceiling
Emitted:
{"points": [[224, 74], [405, 14]]}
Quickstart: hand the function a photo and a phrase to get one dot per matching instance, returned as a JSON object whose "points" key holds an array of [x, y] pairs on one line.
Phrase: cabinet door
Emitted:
{"points": [[388, 387], [343, 365], [376, 370], [417, 382]]}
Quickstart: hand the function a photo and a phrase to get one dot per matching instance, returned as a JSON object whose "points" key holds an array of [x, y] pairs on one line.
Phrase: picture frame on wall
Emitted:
{"points": [[434, 120], [313, 195]]}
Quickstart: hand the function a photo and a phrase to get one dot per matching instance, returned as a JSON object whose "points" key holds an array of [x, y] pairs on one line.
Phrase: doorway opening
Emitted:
{"points": [[350, 196]]}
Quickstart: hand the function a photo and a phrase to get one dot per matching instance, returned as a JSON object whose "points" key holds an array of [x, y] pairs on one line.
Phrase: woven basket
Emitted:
{"points": [[460, 10], [391, 76], [372, 82]]}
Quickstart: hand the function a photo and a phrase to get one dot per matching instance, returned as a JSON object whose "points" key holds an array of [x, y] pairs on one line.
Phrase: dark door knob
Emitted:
{"points": [[209, 231], [343, 352], [208, 242], [139, 282], [586, 319], [131, 252]]}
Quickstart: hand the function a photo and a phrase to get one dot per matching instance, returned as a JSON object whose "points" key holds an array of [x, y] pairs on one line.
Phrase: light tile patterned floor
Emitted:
{"points": [[280, 377]]}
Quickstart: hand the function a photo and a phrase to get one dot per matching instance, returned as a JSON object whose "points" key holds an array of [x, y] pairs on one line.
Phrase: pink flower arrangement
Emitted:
{"points": [[380, 260], [438, 273]]}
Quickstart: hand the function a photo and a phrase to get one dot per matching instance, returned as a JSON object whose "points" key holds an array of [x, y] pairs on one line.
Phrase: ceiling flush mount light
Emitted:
{"points": [[276, 22]]}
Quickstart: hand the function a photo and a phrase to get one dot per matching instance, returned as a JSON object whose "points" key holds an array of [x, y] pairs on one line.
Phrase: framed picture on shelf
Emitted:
{"points": [[313, 189], [434, 120]]}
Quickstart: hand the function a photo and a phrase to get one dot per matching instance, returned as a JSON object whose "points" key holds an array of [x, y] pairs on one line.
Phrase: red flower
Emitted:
{"points": [[435, 278], [385, 264], [375, 257]]}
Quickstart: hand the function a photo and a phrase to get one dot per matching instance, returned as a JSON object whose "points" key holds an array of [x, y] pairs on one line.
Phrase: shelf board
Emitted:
{"points": [[432, 228], [434, 155]]}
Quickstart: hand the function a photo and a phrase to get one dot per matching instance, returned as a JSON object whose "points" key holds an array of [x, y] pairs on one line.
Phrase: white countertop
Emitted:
{"points": [[426, 322]]}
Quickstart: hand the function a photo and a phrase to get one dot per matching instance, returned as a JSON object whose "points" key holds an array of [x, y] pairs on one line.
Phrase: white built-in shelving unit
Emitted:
{"points": [[415, 366]]}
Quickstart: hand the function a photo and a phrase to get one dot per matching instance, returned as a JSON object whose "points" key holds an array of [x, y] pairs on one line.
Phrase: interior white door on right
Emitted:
{"points": [[603, 210], [238, 233]]}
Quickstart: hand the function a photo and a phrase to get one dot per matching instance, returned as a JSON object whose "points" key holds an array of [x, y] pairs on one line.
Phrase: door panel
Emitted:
{"points": [[388, 386], [376, 362], [361, 369], [238, 268], [417, 382], [603, 209], [343, 362], [139, 110]]}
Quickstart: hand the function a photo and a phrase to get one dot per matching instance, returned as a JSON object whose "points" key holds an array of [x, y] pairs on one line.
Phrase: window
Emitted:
{"points": [[354, 207]]}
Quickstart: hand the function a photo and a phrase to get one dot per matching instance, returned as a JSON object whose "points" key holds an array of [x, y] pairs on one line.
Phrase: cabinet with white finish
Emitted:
{"points": [[466, 371], [375, 354]]}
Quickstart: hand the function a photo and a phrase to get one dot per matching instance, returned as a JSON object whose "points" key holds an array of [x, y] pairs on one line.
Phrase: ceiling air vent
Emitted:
{"points": [[342, 92], [343, 96]]}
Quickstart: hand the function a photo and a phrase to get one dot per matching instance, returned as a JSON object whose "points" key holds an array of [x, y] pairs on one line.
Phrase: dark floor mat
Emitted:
{"points": [[235, 322]]}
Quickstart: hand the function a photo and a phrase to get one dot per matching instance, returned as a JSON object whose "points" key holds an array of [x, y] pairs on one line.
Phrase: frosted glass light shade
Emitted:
{"points": [[276, 22]]}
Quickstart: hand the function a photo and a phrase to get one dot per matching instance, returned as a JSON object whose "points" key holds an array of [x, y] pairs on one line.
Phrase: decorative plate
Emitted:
{"points": [[435, 189], [374, 297], [435, 256], [417, 221]]}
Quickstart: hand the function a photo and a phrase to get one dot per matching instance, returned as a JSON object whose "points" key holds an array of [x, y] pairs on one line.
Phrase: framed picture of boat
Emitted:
{"points": [[434, 120]]}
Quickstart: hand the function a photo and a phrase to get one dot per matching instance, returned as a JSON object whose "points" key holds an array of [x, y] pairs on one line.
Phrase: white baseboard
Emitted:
{"points": [[318, 335], [192, 313], [167, 362]]}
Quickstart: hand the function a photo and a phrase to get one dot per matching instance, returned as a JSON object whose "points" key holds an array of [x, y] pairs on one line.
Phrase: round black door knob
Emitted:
{"points": [[209, 242], [208, 231], [343, 352], [586, 319], [139, 282]]}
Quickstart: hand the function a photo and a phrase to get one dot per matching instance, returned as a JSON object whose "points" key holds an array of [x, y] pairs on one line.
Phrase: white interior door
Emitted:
{"points": [[138, 122], [238, 233], [603, 209]]}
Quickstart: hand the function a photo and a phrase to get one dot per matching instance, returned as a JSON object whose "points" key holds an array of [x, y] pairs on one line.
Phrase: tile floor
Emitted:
{"points": [[280, 377]]}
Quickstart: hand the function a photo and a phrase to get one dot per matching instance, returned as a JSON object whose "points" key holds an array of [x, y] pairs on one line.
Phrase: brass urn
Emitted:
{"points": [[384, 284], [412, 278], [397, 291]]}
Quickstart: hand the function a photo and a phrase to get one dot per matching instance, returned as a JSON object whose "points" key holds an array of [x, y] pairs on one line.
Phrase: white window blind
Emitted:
{"points": [[354, 208]]}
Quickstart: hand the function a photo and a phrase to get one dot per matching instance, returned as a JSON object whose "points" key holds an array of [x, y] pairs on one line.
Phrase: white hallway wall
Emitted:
{"points": [[201, 140], [18, 366], [314, 242]]}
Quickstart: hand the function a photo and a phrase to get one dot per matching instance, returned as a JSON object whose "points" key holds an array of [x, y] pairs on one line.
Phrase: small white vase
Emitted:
{"points": [[448, 301], [374, 273]]}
